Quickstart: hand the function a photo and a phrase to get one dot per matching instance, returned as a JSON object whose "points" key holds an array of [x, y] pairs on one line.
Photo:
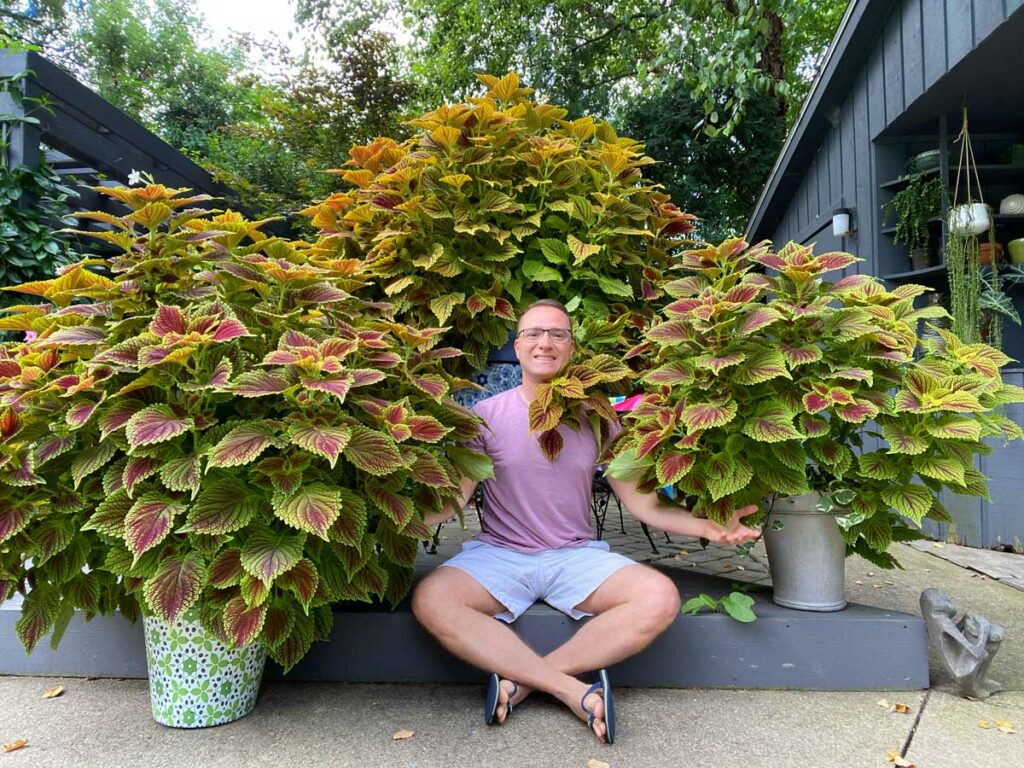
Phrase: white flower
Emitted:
{"points": [[134, 178]]}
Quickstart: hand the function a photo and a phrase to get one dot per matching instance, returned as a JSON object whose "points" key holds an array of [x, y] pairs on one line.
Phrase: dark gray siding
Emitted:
{"points": [[919, 42]]}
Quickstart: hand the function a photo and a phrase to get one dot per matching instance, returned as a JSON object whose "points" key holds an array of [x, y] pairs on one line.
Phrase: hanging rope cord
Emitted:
{"points": [[967, 162]]}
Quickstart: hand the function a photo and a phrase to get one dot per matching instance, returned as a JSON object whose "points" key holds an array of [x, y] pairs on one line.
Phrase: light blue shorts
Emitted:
{"points": [[562, 578]]}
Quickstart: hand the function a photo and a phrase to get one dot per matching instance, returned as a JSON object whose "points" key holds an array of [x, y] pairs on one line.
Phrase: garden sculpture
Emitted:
{"points": [[966, 647]]}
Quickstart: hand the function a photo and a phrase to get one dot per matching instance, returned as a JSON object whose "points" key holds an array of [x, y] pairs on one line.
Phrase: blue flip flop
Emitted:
{"points": [[605, 687], [491, 702]]}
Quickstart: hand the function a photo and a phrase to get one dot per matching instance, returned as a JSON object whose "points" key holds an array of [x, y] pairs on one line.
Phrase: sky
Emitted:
{"points": [[260, 17]]}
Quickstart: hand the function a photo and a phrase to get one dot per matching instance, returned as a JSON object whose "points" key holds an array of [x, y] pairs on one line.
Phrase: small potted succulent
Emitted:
{"points": [[770, 382], [211, 422]]}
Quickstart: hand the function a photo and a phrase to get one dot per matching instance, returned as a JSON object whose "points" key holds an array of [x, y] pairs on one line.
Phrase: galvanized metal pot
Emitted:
{"points": [[806, 556]]}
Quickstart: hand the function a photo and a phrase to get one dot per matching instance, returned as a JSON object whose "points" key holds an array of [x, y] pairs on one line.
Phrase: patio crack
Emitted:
{"points": [[917, 720]]}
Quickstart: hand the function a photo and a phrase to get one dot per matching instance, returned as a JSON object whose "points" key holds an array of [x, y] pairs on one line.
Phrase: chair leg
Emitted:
{"points": [[647, 533]]}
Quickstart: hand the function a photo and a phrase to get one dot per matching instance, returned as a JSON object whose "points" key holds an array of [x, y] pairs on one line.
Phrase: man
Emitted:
{"points": [[537, 544]]}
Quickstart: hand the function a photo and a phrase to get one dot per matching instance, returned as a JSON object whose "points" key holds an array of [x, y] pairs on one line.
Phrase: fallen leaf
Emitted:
{"points": [[1004, 726], [984, 724], [858, 581], [14, 745], [683, 552], [898, 760], [53, 693], [403, 734], [592, 763], [901, 709], [727, 567], [883, 703], [938, 544], [876, 586], [740, 568], [871, 573]]}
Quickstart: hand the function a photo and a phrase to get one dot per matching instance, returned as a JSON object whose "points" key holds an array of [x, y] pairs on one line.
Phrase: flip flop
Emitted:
{"points": [[605, 687], [491, 702]]}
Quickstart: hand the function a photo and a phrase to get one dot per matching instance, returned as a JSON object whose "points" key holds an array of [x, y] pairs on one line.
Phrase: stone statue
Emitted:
{"points": [[966, 647]]}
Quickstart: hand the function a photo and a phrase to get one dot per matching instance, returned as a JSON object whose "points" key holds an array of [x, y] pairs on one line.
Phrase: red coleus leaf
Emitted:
{"points": [[373, 452], [772, 425], [229, 329], [427, 470], [292, 339], [243, 624], [283, 475], [117, 415], [75, 335], [156, 424], [813, 427], [551, 443], [836, 260], [303, 580], [168, 319], [718, 362], [427, 428], [13, 518], [243, 444], [670, 332], [857, 412], [137, 470], [176, 586], [396, 506], [760, 317], [226, 569], [326, 441], [181, 474], [362, 377], [432, 384], [796, 356], [149, 521], [267, 554], [79, 414], [708, 415], [815, 402], [260, 383], [53, 447], [223, 506], [672, 467], [312, 508], [334, 385], [278, 623], [648, 443]]}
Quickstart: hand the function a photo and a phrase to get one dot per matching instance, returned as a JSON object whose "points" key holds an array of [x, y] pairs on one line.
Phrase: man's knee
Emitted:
{"points": [[428, 600], [660, 602]]}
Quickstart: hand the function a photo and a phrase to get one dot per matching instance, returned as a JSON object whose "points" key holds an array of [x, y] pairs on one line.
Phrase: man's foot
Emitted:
{"points": [[591, 711], [509, 692]]}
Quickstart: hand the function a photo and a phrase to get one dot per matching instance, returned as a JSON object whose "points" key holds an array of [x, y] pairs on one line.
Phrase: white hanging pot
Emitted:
{"points": [[969, 219]]}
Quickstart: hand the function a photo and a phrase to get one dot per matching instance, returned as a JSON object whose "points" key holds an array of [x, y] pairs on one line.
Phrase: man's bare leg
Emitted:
{"points": [[459, 612], [631, 608]]}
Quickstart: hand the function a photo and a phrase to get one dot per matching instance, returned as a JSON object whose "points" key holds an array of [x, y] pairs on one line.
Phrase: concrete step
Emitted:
{"points": [[859, 648]]}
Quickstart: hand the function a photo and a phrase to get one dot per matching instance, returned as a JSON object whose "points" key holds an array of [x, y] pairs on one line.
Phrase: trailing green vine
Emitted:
{"points": [[964, 269], [33, 204], [912, 207]]}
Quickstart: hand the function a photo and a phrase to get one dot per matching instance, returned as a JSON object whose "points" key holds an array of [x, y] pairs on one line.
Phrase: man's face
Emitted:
{"points": [[543, 358]]}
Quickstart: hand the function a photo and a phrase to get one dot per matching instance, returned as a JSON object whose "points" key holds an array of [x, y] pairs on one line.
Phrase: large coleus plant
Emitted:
{"points": [[211, 418], [782, 382], [501, 200]]}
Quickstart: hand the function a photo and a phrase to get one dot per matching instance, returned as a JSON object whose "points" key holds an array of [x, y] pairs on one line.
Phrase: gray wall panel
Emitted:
{"points": [[933, 28], [959, 30], [876, 93], [1012, 5], [988, 14], [913, 54], [892, 60]]}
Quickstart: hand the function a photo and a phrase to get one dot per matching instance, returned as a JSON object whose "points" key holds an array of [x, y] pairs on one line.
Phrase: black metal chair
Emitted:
{"points": [[601, 495]]}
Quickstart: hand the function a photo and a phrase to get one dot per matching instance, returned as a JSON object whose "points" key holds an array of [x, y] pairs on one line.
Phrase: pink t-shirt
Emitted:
{"points": [[533, 504]]}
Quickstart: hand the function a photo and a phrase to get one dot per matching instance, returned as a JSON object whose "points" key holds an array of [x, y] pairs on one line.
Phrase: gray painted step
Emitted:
{"points": [[860, 648]]}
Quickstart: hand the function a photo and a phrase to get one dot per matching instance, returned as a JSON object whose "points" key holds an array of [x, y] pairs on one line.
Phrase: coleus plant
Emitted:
{"points": [[499, 201], [210, 417], [782, 382], [572, 395]]}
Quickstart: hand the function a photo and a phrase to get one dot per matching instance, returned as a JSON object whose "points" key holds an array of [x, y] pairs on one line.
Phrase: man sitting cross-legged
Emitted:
{"points": [[537, 544]]}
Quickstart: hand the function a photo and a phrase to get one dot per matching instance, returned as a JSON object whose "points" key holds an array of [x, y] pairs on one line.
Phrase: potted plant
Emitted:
{"points": [[212, 423], [499, 201], [776, 384], [912, 208]]}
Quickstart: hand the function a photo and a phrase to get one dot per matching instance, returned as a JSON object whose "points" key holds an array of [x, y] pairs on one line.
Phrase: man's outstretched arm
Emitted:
{"points": [[466, 489], [648, 508]]}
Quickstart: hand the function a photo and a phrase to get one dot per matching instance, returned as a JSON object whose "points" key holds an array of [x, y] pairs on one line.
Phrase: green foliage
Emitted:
{"points": [[498, 201], [764, 383], [737, 604], [912, 207], [213, 418]]}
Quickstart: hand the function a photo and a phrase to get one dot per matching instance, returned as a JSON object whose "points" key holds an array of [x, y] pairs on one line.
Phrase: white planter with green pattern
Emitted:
{"points": [[196, 681]]}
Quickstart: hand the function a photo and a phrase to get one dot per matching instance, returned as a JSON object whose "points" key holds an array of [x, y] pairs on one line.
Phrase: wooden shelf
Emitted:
{"points": [[931, 222], [939, 270], [902, 181]]}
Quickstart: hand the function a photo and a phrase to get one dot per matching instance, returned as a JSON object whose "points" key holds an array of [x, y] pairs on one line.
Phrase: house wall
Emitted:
{"points": [[921, 41]]}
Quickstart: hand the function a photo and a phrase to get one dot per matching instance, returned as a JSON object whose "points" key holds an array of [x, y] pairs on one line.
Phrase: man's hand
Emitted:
{"points": [[734, 532]]}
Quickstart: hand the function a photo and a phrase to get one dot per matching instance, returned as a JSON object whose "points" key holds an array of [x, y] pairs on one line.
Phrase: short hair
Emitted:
{"points": [[553, 303]]}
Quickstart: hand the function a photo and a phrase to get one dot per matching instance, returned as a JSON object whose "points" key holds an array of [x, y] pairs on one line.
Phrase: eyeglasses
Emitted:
{"points": [[557, 335]]}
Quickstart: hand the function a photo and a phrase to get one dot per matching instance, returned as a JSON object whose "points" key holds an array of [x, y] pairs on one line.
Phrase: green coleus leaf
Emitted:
{"points": [[223, 506], [38, 614], [539, 272], [627, 466], [176, 586], [762, 365], [350, 525], [254, 591], [243, 444], [791, 453], [13, 519], [878, 465], [902, 440], [913, 501], [727, 475], [267, 554], [614, 287], [783, 479], [708, 415], [296, 643], [772, 424], [442, 306], [87, 462], [156, 424], [149, 521], [950, 427], [946, 469], [278, 622], [312, 508], [397, 506], [472, 465]]}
